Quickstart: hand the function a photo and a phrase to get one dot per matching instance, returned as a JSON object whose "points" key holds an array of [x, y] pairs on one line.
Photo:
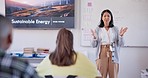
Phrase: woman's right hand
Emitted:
{"points": [[94, 34]]}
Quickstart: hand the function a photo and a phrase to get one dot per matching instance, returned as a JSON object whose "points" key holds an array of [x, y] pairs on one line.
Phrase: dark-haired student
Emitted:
{"points": [[108, 40], [66, 61], [11, 67]]}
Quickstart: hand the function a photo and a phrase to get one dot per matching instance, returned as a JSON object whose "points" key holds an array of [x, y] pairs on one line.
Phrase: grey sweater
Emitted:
{"points": [[96, 43]]}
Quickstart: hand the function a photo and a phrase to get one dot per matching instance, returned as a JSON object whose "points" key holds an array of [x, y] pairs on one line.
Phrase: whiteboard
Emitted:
{"points": [[130, 13], [86, 37]]}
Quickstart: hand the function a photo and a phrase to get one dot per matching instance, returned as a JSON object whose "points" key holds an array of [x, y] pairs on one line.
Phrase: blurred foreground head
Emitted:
{"points": [[5, 33]]}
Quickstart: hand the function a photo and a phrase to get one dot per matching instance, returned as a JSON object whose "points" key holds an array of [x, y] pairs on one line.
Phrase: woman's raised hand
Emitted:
{"points": [[94, 34], [123, 30]]}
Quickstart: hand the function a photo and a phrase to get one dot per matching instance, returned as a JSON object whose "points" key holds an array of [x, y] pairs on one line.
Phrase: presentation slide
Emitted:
{"points": [[42, 14]]}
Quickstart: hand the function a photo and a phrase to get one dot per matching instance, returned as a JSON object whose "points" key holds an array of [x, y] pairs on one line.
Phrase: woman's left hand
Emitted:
{"points": [[123, 30]]}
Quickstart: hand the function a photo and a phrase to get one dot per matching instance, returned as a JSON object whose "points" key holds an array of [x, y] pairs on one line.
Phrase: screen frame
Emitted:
{"points": [[64, 21]]}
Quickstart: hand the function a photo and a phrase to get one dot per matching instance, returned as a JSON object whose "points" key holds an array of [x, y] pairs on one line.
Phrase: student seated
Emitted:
{"points": [[11, 67], [65, 61]]}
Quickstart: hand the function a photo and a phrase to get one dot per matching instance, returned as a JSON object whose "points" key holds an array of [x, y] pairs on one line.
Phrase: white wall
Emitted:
{"points": [[132, 60], [130, 13]]}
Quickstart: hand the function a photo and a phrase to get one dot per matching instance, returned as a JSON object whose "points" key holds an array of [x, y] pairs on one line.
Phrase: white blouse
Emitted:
{"points": [[107, 37]]}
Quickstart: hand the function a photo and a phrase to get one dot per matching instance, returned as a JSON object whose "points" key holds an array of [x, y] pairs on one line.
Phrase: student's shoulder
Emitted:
{"points": [[17, 59], [15, 62], [81, 55], [23, 67], [83, 59]]}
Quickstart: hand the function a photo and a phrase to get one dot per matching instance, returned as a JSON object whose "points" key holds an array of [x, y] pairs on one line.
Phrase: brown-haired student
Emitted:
{"points": [[65, 60]]}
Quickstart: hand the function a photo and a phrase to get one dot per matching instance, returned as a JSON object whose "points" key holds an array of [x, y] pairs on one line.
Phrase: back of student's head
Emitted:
{"points": [[12, 66], [64, 54], [5, 32]]}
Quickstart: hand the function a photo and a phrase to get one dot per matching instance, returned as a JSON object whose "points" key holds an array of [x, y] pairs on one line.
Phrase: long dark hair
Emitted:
{"points": [[111, 23], [64, 55]]}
